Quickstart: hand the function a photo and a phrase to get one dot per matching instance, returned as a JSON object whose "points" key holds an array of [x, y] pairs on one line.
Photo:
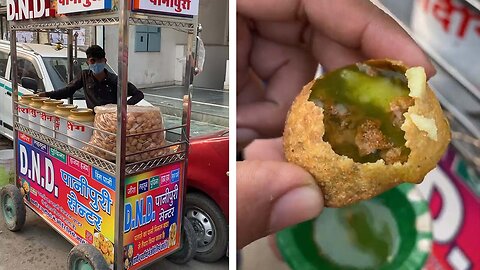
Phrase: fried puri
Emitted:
{"points": [[365, 128]]}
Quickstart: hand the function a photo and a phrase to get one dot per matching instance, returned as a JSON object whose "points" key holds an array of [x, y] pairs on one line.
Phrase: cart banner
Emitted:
{"points": [[455, 207], [72, 196], [171, 7], [18, 10], [74, 6], [152, 214], [451, 28]]}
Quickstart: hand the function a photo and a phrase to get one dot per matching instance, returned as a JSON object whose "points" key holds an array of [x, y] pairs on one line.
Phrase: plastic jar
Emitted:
{"points": [[62, 112], [23, 109], [34, 114], [79, 134], [47, 118]]}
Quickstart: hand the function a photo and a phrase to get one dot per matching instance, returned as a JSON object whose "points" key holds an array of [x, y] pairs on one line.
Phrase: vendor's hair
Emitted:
{"points": [[96, 52]]}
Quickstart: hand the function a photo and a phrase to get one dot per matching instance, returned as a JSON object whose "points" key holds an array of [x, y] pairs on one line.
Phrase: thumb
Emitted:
{"points": [[272, 195]]}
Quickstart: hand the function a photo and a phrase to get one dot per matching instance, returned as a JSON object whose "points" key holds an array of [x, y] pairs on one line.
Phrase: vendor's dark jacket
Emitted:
{"points": [[97, 93]]}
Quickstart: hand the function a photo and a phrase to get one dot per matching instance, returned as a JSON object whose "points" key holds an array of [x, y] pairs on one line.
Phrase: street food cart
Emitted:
{"points": [[118, 213]]}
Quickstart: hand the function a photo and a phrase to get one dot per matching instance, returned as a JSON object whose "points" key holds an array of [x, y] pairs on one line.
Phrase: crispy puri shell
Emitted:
{"points": [[344, 181]]}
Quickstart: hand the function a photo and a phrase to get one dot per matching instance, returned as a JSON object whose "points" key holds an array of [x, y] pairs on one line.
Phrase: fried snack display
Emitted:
{"points": [[105, 246], [365, 128], [172, 236], [140, 119]]}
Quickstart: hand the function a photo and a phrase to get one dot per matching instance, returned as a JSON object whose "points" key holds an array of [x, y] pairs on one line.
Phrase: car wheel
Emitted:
{"points": [[210, 227], [188, 247]]}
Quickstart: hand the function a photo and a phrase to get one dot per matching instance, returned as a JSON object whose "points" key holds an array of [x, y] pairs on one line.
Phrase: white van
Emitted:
{"points": [[46, 65]]}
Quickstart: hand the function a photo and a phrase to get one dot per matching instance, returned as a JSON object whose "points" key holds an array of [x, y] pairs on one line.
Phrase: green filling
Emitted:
{"points": [[366, 92], [361, 236]]}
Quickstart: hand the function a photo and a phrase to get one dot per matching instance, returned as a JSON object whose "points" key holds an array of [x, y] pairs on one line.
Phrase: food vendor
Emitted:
{"points": [[100, 85]]}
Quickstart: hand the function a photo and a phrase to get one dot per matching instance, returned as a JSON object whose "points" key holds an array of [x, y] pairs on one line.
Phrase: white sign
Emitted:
{"points": [[73, 6], [63, 38], [26, 37], [452, 29], [174, 7], [24, 9]]}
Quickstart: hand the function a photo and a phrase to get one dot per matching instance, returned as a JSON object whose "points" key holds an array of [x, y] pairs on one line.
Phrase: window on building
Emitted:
{"points": [[147, 38], [3, 63]]}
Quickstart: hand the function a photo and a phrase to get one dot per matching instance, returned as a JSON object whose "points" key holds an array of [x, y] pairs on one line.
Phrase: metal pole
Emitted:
{"points": [[13, 54], [75, 44], [188, 81], [187, 105], [121, 131], [197, 37], [70, 59], [1, 27]]}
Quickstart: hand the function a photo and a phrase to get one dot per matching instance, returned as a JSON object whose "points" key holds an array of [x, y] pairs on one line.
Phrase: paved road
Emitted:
{"points": [[38, 246]]}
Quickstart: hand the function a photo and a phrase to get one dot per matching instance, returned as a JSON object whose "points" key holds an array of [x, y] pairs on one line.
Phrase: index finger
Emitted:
{"points": [[265, 149], [358, 25]]}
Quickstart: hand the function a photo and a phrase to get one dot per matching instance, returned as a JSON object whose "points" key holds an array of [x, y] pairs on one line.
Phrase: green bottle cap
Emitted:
{"points": [[390, 231]]}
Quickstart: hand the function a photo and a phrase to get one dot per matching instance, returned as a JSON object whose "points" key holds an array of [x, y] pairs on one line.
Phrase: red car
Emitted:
{"points": [[207, 194]]}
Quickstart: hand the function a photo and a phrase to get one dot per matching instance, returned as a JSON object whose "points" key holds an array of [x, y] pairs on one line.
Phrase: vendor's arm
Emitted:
{"points": [[136, 95], [68, 90]]}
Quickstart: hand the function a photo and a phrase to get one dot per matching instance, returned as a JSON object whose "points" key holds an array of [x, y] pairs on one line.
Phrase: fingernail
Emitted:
{"points": [[296, 206]]}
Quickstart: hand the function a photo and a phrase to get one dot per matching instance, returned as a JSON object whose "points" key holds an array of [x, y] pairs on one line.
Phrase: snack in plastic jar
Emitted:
{"points": [[79, 125], [23, 109], [34, 114], [47, 117], [140, 119], [62, 112]]}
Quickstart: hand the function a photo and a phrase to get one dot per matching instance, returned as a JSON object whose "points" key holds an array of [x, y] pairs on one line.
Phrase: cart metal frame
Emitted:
{"points": [[124, 17]]}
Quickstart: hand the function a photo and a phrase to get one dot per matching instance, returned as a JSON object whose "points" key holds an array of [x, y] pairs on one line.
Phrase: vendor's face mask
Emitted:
{"points": [[97, 67]]}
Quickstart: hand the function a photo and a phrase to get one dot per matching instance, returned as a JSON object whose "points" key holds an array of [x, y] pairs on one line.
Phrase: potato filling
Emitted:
{"points": [[363, 112]]}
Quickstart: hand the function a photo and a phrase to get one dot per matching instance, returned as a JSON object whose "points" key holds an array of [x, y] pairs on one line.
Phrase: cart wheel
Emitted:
{"points": [[86, 257], [13, 208], [210, 227], [189, 245]]}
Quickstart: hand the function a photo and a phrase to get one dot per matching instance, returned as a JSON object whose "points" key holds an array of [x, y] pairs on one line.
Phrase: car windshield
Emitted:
{"points": [[57, 71]]}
